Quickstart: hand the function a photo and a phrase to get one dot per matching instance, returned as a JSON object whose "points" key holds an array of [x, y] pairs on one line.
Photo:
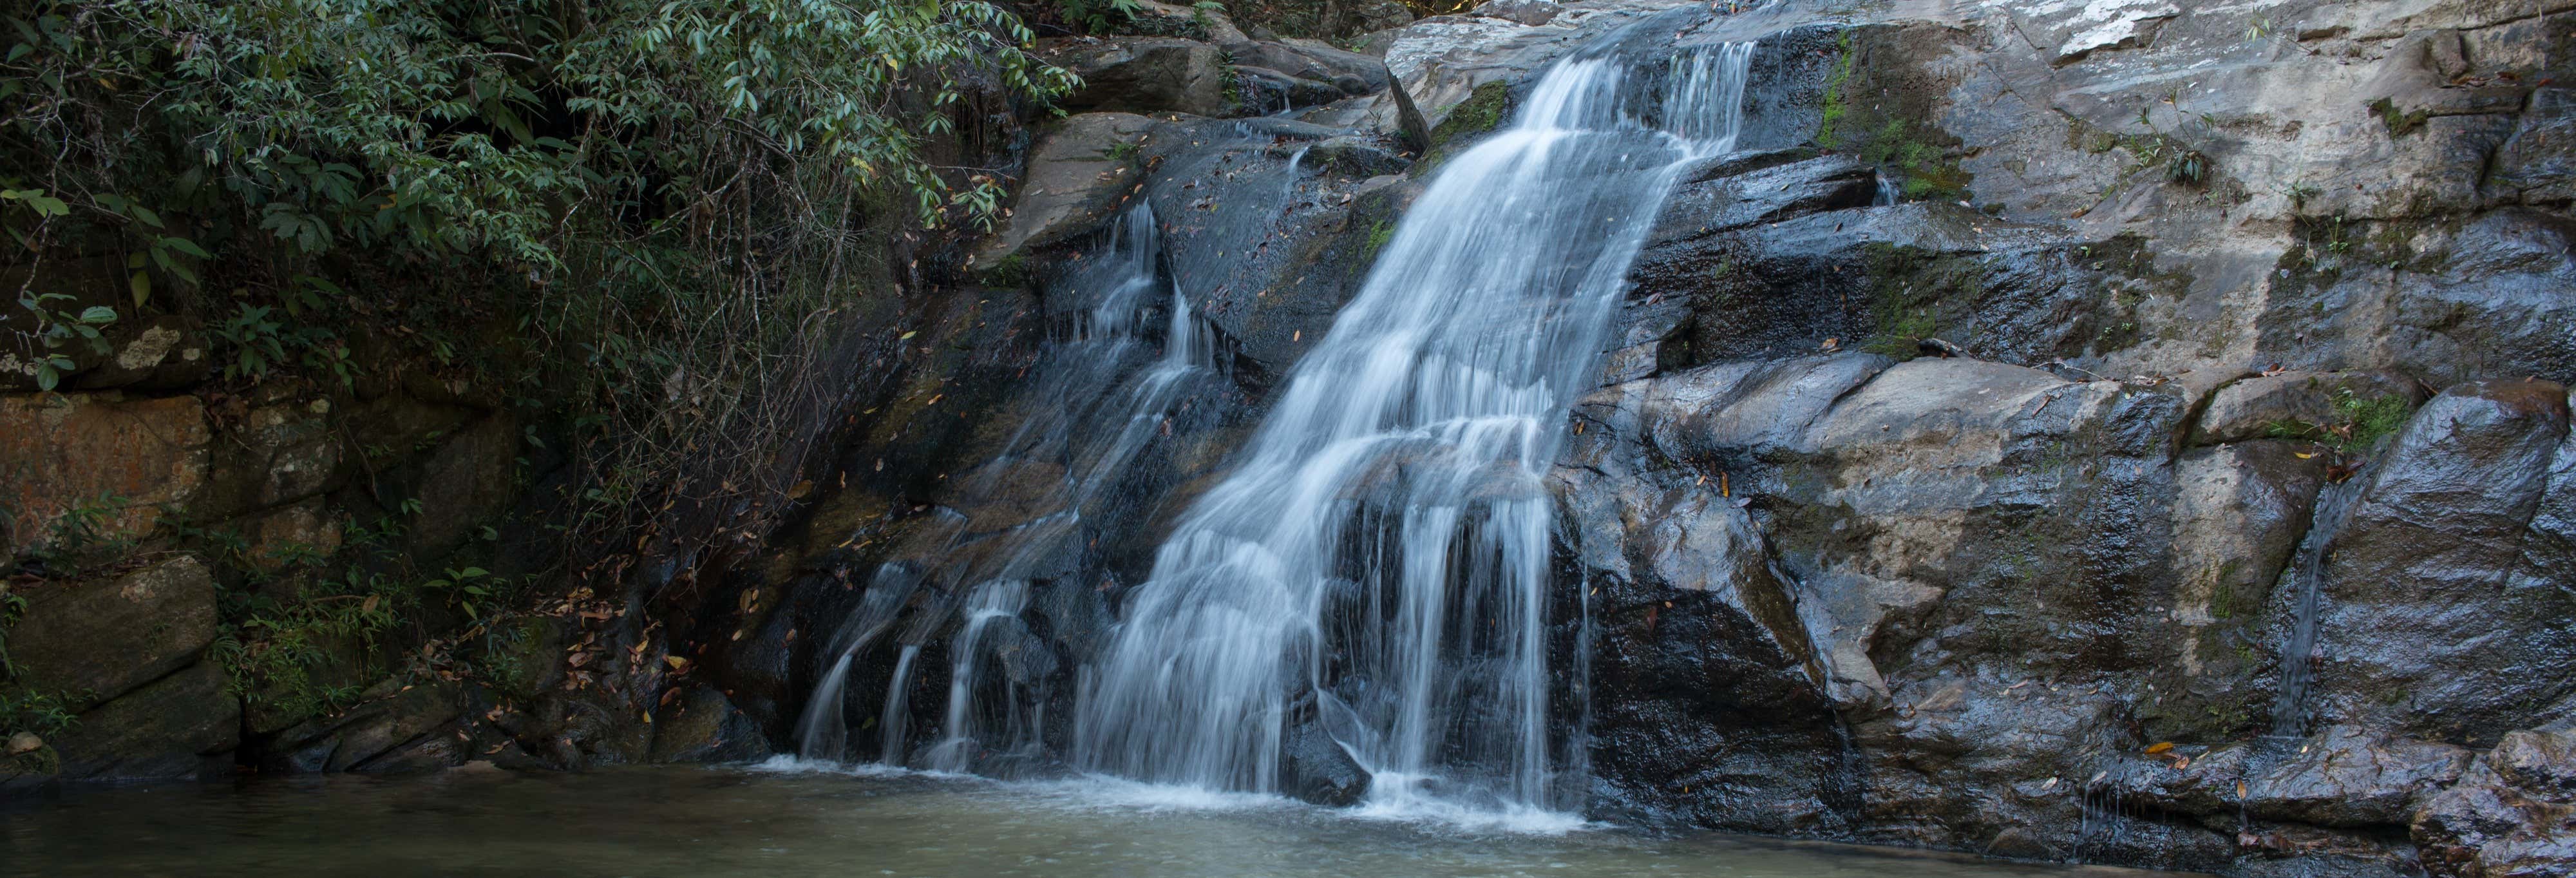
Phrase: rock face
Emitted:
{"points": [[116, 460], [2046, 595]]}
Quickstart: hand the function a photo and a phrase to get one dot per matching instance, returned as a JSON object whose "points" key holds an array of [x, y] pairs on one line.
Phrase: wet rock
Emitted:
{"points": [[96, 640], [2289, 404], [176, 727], [2342, 777], [1315, 61], [1076, 174], [1141, 74], [1316, 769], [2511, 814], [2239, 512], [2429, 630], [126, 459], [1267, 91]]}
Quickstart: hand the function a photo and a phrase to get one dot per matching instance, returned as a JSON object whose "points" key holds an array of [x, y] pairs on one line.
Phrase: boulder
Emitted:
{"points": [[1141, 74], [179, 726], [97, 639], [2341, 777], [1076, 175], [703, 726], [1317, 769], [381, 734], [467, 481], [2428, 628]]}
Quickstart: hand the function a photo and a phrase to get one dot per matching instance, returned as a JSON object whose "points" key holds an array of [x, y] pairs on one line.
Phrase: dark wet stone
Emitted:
{"points": [[2428, 630], [1315, 768]]}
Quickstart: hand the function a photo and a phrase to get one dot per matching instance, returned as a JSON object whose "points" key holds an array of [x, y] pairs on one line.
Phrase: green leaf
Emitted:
{"points": [[98, 315], [184, 245], [141, 285]]}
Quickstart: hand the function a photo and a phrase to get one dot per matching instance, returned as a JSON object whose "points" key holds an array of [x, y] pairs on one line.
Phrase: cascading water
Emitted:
{"points": [[1097, 409], [1375, 563], [2290, 707]]}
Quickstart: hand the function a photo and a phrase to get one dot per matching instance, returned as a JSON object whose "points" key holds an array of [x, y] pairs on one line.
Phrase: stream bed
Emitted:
{"points": [[692, 821]]}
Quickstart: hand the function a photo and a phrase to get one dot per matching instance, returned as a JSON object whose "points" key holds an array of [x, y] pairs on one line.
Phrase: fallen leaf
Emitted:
{"points": [[2160, 747]]}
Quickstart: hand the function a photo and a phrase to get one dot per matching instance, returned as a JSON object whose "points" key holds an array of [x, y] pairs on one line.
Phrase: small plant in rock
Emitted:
{"points": [[2360, 422], [1380, 235]]}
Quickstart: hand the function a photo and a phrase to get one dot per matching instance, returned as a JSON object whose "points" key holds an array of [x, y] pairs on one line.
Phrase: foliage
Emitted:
{"points": [[28, 710], [55, 329], [645, 216]]}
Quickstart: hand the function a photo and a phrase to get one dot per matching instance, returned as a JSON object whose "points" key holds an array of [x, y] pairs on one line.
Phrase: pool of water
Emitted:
{"points": [[691, 821]]}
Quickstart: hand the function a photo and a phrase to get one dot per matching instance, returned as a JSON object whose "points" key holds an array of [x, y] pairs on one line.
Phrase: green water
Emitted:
{"points": [[687, 821]]}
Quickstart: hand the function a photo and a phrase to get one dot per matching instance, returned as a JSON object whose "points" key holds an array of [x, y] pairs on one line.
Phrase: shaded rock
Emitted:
{"points": [[126, 458], [1140, 74], [1267, 91], [299, 531], [2288, 403], [469, 479], [176, 727], [159, 352], [1076, 174], [98, 639], [379, 734], [702, 726], [1314, 60], [279, 452]]}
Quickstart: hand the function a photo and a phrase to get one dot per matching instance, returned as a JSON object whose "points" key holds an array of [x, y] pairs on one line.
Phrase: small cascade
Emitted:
{"points": [[994, 600], [1375, 565], [2290, 709], [1890, 189], [898, 702], [1102, 399]]}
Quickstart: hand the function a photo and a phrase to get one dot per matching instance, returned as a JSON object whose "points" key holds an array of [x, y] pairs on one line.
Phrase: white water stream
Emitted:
{"points": [[1377, 559]]}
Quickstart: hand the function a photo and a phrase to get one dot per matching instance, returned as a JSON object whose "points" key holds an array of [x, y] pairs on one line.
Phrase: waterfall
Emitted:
{"points": [[1095, 410], [1376, 561]]}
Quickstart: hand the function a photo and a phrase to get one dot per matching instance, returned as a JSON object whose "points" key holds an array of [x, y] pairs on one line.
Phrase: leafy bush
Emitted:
{"points": [[645, 214]]}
